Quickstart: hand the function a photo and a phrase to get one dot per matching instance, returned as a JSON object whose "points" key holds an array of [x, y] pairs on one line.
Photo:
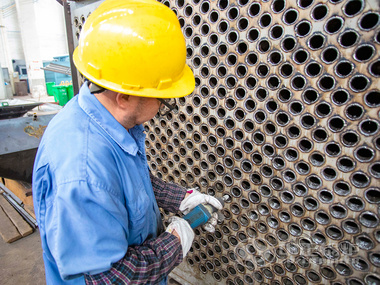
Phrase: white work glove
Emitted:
{"points": [[184, 231], [195, 198]]}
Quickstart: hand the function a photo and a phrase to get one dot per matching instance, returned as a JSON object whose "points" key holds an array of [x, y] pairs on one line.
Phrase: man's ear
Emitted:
{"points": [[122, 100]]}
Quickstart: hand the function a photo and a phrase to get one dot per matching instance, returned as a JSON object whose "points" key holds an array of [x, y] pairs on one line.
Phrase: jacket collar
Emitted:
{"points": [[102, 117]]}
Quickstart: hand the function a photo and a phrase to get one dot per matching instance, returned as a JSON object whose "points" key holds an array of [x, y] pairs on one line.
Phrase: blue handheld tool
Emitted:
{"points": [[201, 214]]}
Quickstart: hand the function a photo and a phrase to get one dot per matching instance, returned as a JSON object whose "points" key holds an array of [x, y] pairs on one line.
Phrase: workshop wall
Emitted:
{"points": [[34, 31]]}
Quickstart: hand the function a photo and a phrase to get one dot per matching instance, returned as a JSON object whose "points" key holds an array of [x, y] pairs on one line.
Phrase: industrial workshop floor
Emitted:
{"points": [[21, 261]]}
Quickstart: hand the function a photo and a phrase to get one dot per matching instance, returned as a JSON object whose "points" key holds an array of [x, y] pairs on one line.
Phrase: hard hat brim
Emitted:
{"points": [[182, 87]]}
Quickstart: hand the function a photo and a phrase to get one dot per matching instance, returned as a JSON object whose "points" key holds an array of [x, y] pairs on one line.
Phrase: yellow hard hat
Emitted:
{"points": [[135, 47]]}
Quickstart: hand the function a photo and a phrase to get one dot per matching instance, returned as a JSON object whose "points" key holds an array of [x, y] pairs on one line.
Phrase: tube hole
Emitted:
{"points": [[344, 69], [305, 145], [233, 13], [297, 210], [319, 238], [338, 211], [284, 95], [329, 173], [333, 25], [276, 32], [340, 97], [263, 46], [342, 188], [364, 242], [364, 154], [265, 20], [314, 182], [330, 54], [326, 83], [307, 121], [359, 83], [254, 10], [334, 232], [288, 44], [322, 217], [317, 159], [313, 69], [251, 59], [290, 16], [303, 28], [300, 56], [348, 38], [372, 195], [355, 203], [319, 135], [232, 37], [316, 41], [369, 219], [353, 7], [319, 12], [369, 21], [299, 189], [286, 70], [303, 4], [253, 35], [298, 82], [262, 70], [302, 168], [291, 154], [289, 176], [343, 269], [214, 16], [364, 53], [375, 68], [308, 224], [346, 164], [223, 26], [350, 139], [336, 124], [242, 24], [369, 127]]}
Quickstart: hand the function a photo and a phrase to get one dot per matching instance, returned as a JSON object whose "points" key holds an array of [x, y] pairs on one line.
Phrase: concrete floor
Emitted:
{"points": [[21, 261]]}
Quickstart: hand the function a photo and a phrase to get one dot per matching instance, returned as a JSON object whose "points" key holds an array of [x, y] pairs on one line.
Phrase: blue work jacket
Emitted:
{"points": [[92, 192]]}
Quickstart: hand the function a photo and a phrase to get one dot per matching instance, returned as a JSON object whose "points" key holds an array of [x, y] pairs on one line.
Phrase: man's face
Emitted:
{"points": [[146, 109]]}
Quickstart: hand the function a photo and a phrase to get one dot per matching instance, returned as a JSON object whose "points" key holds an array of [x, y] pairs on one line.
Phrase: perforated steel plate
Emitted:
{"points": [[285, 120]]}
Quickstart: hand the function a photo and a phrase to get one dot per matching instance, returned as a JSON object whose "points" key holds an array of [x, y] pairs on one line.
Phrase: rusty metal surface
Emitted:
{"points": [[19, 139], [285, 120]]}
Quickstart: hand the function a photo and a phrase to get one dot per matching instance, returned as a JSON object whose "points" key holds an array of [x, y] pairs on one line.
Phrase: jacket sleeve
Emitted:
{"points": [[87, 232], [145, 264], [168, 195]]}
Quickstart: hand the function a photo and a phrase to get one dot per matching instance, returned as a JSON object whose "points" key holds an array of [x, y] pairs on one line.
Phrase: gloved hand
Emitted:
{"points": [[195, 198], [184, 231]]}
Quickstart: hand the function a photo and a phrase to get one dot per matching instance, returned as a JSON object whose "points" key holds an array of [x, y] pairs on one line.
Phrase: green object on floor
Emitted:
{"points": [[49, 88], [60, 94], [70, 92]]}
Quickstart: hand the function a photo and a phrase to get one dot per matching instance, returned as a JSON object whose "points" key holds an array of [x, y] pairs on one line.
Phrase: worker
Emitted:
{"points": [[96, 203]]}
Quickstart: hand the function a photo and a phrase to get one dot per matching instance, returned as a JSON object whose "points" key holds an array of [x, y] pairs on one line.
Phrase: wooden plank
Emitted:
{"points": [[21, 225], [21, 189], [8, 231]]}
